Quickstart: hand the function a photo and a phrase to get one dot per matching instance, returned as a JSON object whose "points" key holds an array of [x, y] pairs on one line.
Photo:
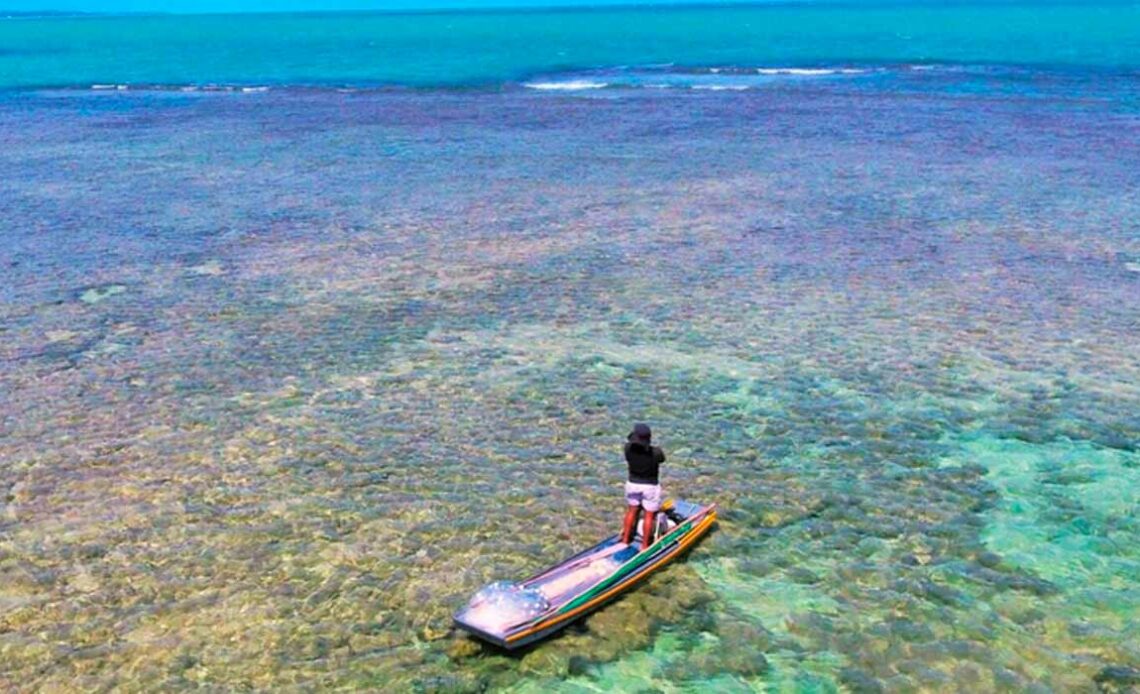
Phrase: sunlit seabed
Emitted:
{"points": [[287, 377]]}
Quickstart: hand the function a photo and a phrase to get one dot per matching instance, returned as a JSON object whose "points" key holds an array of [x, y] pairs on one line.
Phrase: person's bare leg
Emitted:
{"points": [[627, 527], [647, 529]]}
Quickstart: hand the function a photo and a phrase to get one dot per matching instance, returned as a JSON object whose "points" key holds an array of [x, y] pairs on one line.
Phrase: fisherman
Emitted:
{"points": [[642, 490]]}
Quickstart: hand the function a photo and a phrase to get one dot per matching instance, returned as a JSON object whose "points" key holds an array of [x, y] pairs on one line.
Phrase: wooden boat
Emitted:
{"points": [[511, 615]]}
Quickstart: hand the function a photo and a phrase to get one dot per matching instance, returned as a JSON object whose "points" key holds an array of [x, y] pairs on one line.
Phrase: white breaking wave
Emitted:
{"points": [[569, 85], [185, 88], [808, 71]]}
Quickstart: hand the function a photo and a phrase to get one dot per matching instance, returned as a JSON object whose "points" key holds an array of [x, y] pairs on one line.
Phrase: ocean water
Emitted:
{"points": [[303, 340], [491, 49]]}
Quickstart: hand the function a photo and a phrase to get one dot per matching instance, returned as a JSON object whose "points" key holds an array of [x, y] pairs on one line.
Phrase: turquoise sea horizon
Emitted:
{"points": [[491, 49], [312, 6]]}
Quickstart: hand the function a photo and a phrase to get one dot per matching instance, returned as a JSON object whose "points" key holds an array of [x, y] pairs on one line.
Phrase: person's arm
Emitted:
{"points": [[658, 455]]}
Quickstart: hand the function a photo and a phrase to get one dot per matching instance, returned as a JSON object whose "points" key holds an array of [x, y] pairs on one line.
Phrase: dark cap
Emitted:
{"points": [[641, 433]]}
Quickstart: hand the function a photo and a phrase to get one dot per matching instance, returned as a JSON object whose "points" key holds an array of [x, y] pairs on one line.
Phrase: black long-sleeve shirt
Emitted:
{"points": [[643, 462]]}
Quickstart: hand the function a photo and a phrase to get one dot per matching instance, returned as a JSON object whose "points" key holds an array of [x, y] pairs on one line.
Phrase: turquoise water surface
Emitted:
{"points": [[494, 48]]}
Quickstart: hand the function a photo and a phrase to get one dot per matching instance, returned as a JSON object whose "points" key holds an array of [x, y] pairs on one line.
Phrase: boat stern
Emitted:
{"points": [[499, 608]]}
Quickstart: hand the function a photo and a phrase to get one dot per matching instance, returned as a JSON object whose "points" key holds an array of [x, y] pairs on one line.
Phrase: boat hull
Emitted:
{"points": [[584, 582]]}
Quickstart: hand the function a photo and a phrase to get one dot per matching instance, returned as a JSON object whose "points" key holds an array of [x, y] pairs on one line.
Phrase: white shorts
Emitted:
{"points": [[648, 496]]}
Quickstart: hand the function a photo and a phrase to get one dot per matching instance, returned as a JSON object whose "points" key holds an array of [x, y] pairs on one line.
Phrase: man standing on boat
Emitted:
{"points": [[643, 489]]}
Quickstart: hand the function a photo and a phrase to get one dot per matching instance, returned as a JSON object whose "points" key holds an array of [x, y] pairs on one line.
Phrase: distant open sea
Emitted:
{"points": [[311, 325], [495, 49]]}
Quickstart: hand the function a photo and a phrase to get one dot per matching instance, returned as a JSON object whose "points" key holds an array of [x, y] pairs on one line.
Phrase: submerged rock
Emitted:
{"points": [[859, 682], [1008, 680], [210, 268], [990, 560], [621, 620], [577, 665], [94, 295], [545, 662], [727, 659], [909, 631], [758, 567], [802, 576], [460, 683], [462, 647], [746, 662], [739, 631], [1118, 679]]}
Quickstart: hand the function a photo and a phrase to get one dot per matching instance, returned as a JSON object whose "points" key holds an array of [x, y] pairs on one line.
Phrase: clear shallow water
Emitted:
{"points": [[288, 375]]}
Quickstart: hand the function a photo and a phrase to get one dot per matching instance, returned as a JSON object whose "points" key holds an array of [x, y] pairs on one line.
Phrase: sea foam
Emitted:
{"points": [[808, 71], [568, 85]]}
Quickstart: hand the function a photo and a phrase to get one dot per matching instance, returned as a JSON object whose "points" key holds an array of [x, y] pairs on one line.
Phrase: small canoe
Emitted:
{"points": [[511, 615]]}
